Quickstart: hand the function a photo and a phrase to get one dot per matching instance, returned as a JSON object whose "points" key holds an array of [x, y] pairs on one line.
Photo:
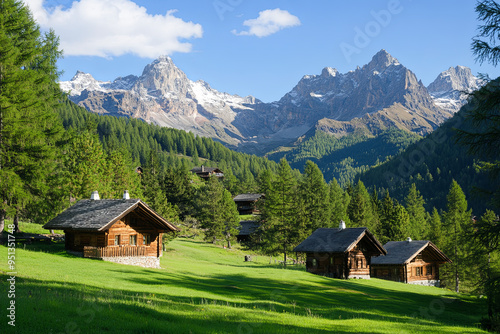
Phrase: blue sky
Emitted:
{"points": [[256, 47]]}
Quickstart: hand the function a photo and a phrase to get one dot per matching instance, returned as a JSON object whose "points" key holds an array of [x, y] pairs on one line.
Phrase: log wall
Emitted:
{"points": [[131, 225]]}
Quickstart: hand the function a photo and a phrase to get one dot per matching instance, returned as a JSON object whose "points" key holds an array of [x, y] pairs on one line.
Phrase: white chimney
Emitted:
{"points": [[408, 239], [95, 196], [202, 169], [342, 225], [126, 195]]}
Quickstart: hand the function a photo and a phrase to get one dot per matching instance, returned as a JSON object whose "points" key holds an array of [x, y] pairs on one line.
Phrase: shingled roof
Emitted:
{"points": [[248, 227], [334, 240], [99, 215], [401, 252], [247, 197]]}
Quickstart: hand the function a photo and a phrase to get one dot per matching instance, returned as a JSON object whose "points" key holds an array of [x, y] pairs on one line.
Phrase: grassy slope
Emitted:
{"points": [[207, 289]]}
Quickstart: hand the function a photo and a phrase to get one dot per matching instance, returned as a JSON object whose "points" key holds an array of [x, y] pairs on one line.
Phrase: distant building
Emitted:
{"points": [[410, 261], [247, 228], [124, 230], [340, 252], [247, 203], [207, 172]]}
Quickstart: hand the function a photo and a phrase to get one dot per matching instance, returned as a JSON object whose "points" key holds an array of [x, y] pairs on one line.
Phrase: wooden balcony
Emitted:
{"points": [[114, 251]]}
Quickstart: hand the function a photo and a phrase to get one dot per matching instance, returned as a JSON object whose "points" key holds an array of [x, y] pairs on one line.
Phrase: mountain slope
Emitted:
{"points": [[432, 164]]}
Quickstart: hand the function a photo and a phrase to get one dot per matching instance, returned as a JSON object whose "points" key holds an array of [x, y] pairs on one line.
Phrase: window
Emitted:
{"points": [[147, 239], [117, 240], [314, 262], [429, 270], [418, 271], [133, 240]]}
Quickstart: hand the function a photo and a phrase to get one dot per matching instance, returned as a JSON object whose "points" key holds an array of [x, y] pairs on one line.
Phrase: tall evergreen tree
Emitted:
{"points": [[29, 127], [414, 204], [457, 221], [361, 210], [230, 217], [436, 230], [314, 195], [153, 188], [88, 167], [339, 201], [280, 228], [215, 211]]}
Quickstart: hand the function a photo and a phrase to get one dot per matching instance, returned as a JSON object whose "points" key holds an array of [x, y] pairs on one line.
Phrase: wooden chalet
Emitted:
{"points": [[117, 230], [340, 252], [247, 228], [207, 172], [410, 261], [247, 203]]}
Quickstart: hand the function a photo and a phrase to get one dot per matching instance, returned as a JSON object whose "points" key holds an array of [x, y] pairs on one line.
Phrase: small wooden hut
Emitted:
{"points": [[247, 203], [340, 252], [119, 230], [246, 229], [410, 261], [207, 172]]}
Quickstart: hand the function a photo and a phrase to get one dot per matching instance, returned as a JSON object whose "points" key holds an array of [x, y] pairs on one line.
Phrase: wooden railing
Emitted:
{"points": [[114, 251]]}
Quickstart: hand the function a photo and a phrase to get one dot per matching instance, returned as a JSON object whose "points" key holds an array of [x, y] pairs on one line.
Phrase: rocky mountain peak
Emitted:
{"points": [[451, 87], [329, 72], [458, 78], [162, 75], [381, 60]]}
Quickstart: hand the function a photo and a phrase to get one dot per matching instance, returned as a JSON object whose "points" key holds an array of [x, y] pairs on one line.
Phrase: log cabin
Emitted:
{"points": [[340, 252], [118, 230], [410, 261], [246, 229], [247, 203], [206, 172]]}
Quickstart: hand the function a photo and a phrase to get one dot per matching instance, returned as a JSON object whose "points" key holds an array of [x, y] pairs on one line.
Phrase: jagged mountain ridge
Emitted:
{"points": [[380, 95], [162, 95], [451, 87]]}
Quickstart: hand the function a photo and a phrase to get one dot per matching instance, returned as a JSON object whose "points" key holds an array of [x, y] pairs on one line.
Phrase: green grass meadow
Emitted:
{"points": [[204, 288]]}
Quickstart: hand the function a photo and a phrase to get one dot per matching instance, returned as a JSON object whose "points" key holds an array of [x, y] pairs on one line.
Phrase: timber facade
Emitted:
{"points": [[410, 261], [247, 203], [110, 229], [340, 253]]}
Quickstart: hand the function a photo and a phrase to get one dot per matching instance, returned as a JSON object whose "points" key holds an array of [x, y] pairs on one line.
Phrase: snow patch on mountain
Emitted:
{"points": [[451, 87]]}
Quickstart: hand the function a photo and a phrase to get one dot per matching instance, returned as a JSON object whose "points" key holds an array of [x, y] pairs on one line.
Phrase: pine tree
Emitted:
{"points": [[314, 195], [212, 210], [339, 201], [88, 167], [436, 230], [153, 189], [280, 228], [414, 204], [230, 217], [29, 127], [361, 210], [457, 221]]}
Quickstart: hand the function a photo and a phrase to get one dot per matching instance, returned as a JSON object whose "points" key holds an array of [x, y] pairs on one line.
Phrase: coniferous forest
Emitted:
{"points": [[54, 153]]}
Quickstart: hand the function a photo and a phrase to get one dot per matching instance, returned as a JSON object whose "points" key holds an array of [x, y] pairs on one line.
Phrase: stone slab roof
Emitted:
{"points": [[401, 252], [99, 215], [334, 240]]}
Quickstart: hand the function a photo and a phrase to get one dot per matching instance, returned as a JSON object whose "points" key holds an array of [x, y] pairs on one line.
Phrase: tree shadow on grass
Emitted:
{"points": [[330, 299], [61, 307]]}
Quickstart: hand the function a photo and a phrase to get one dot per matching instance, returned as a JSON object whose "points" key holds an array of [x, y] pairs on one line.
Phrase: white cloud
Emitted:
{"points": [[269, 22], [108, 28]]}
